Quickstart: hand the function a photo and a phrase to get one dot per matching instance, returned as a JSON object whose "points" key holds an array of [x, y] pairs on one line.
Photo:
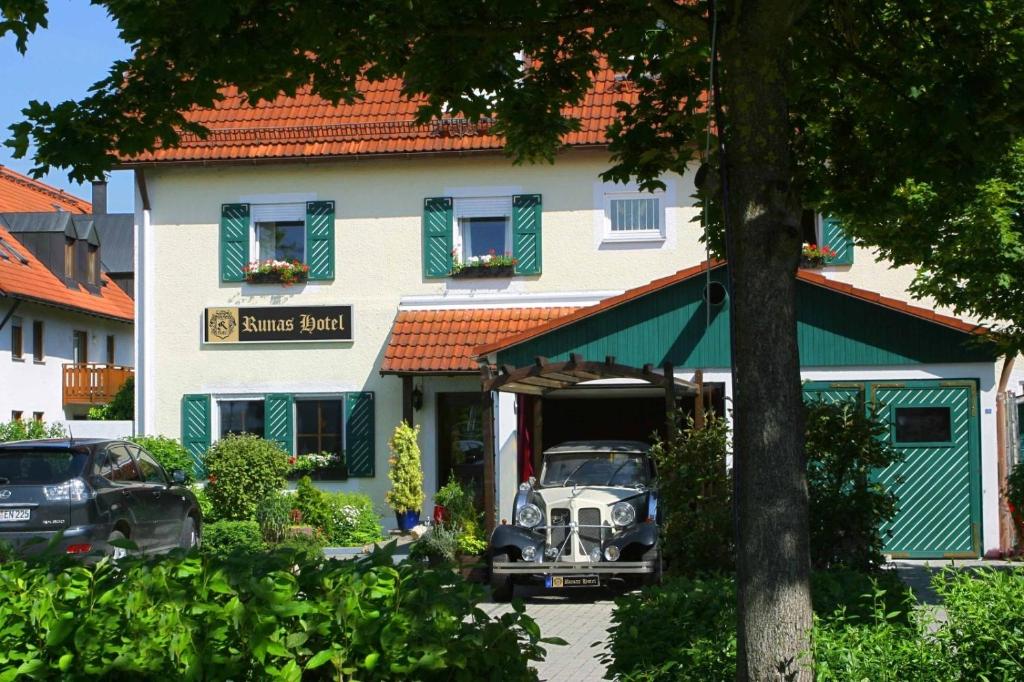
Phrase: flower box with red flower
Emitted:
{"points": [[489, 265], [276, 272], [814, 256]]}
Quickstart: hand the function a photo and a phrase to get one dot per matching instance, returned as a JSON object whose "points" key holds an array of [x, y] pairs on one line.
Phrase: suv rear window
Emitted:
{"points": [[34, 466]]}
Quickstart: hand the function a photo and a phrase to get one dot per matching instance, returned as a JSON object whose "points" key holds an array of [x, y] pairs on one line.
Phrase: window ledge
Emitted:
{"points": [[39, 362], [633, 237], [15, 358]]}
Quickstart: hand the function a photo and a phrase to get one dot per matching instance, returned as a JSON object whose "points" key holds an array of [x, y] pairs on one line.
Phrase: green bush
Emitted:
{"points": [[462, 515], [310, 545], [243, 470], [283, 616], [686, 629], [984, 633], [169, 452], [695, 496], [346, 519], [274, 514], [847, 508], [205, 506], [121, 407], [25, 429], [406, 471], [438, 544], [225, 538]]}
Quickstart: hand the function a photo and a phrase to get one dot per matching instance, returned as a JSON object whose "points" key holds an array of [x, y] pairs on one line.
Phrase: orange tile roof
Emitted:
{"points": [[20, 193], [442, 341], [32, 281], [382, 122], [807, 276]]}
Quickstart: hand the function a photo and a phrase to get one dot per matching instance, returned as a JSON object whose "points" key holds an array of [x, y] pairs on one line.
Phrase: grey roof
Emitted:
{"points": [[117, 235], [598, 446], [113, 232]]}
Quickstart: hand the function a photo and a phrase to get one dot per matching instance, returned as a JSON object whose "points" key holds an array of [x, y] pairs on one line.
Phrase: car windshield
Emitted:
{"points": [[594, 468], [39, 466]]}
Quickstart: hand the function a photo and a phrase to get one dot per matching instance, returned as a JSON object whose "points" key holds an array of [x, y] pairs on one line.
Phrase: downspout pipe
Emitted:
{"points": [[1002, 457], [10, 313]]}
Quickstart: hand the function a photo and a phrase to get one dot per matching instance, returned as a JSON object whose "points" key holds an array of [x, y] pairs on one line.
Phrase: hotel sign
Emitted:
{"points": [[278, 323]]}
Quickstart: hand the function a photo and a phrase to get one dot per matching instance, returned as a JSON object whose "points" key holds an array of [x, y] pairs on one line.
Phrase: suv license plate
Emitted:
{"points": [[15, 514], [556, 581]]}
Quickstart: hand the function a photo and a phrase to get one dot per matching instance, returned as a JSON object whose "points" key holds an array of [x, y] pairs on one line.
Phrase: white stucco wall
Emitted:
{"points": [[30, 386]]}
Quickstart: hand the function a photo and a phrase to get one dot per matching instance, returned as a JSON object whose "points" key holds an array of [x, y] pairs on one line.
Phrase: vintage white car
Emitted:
{"points": [[591, 517]]}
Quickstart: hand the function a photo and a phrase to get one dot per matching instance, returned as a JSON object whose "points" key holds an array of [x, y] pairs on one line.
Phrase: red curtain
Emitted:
{"points": [[524, 435]]}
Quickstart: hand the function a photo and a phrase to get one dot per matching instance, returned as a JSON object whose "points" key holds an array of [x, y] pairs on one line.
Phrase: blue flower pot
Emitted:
{"points": [[407, 520]]}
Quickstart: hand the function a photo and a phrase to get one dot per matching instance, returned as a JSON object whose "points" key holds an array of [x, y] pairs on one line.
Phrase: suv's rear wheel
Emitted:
{"points": [[189, 535], [502, 587], [113, 551]]}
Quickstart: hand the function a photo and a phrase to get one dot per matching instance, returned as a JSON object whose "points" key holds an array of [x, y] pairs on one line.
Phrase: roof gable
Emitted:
{"points": [[668, 321]]}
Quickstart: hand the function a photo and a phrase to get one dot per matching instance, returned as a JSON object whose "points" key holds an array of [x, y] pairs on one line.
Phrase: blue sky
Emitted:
{"points": [[61, 63]]}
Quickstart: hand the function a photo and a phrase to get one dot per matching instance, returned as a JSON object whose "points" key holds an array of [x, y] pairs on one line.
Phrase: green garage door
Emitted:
{"points": [[935, 425]]}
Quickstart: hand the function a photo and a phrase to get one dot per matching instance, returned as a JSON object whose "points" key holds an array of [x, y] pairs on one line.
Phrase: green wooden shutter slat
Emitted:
{"points": [[279, 420], [526, 238], [234, 241], [437, 237], [320, 239], [195, 428], [360, 449], [834, 236]]}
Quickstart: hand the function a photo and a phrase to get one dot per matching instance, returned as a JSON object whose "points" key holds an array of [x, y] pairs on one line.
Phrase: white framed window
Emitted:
{"points": [[238, 416], [278, 231], [483, 226], [634, 216]]}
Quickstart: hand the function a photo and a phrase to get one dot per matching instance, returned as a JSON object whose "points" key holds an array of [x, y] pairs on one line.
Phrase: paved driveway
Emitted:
{"points": [[580, 617]]}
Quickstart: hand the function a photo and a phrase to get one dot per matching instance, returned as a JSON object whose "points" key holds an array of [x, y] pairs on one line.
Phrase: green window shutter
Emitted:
{"points": [[195, 428], [360, 449], [526, 243], [437, 237], [277, 413], [320, 239], [834, 236], [234, 241]]}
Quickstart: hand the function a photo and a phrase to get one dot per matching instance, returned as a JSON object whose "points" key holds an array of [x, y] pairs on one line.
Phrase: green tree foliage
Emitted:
{"points": [[346, 519], [170, 453], [405, 472], [286, 615], [121, 407], [23, 429], [243, 470]]}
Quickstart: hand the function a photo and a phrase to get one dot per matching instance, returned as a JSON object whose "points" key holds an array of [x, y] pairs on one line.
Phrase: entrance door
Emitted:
{"points": [[460, 441], [935, 425], [79, 347]]}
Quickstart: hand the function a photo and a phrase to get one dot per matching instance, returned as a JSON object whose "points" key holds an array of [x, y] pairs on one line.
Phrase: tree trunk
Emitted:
{"points": [[763, 220]]}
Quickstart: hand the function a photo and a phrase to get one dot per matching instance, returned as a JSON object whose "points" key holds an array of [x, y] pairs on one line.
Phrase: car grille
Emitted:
{"points": [[560, 528], [590, 527]]}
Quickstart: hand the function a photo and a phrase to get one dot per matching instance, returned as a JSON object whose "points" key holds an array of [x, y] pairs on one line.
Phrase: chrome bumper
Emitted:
{"points": [[571, 568]]}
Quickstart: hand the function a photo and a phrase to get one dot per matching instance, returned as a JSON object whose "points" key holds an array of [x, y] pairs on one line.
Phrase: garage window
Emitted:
{"points": [[923, 425]]}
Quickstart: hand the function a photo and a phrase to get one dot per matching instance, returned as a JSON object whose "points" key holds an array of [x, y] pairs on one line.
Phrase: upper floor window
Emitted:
{"points": [[484, 227], [37, 341], [634, 216], [92, 265], [283, 240], [17, 339], [69, 258], [300, 231]]}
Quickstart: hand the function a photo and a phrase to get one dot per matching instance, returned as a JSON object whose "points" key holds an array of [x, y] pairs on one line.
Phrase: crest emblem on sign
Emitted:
{"points": [[221, 324]]}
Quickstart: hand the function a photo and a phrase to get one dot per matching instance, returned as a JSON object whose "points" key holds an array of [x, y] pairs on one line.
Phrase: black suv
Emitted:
{"points": [[95, 492]]}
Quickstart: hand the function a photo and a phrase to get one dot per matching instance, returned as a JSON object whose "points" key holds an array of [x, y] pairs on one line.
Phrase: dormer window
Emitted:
{"points": [[69, 258], [92, 264]]}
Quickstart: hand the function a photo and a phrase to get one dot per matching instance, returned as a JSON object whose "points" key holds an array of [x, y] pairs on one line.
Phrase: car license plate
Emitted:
{"points": [[15, 514], [556, 581]]}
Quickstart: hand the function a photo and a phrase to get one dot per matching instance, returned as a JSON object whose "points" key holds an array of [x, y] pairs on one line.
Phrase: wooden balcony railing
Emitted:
{"points": [[93, 384]]}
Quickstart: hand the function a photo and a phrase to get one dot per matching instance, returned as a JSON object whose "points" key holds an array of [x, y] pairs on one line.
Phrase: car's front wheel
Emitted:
{"points": [[189, 535], [502, 587]]}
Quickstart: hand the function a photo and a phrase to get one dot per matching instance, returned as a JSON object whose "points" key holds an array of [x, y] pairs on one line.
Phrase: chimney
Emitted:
{"points": [[99, 197]]}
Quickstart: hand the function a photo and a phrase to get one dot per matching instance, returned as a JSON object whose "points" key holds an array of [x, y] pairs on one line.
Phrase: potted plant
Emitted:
{"points": [[276, 272], [459, 514], [814, 256], [492, 264], [406, 474]]}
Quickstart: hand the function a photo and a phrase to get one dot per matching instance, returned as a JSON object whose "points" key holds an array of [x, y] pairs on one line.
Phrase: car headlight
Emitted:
{"points": [[623, 514], [529, 516]]}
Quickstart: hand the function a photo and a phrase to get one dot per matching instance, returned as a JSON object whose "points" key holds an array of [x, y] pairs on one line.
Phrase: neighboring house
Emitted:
{"points": [[398, 314], [66, 331]]}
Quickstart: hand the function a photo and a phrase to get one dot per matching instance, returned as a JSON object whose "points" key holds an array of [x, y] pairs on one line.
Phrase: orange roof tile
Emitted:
{"points": [[27, 278], [442, 341], [20, 193], [382, 122], [807, 276]]}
